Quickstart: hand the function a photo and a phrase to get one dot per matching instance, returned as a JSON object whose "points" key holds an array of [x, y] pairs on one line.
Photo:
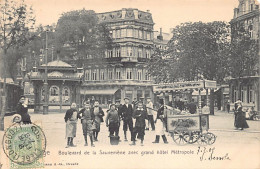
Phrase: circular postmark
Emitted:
{"points": [[24, 144]]}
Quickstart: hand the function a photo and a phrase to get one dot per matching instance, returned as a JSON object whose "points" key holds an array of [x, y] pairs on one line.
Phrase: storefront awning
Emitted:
{"points": [[98, 92]]}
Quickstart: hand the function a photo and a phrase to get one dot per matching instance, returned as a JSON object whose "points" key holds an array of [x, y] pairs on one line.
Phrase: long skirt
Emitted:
{"points": [[71, 129], [159, 128], [241, 121]]}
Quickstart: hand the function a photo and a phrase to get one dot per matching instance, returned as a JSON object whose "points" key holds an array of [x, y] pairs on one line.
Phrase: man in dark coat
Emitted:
{"points": [[99, 114], [126, 115], [22, 110], [140, 114]]}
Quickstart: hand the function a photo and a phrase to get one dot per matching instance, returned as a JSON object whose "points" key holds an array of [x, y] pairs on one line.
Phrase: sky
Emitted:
{"points": [[166, 13]]}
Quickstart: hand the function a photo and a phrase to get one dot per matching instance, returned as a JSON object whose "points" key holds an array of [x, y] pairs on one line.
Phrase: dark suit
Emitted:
{"points": [[140, 116], [23, 111], [126, 115]]}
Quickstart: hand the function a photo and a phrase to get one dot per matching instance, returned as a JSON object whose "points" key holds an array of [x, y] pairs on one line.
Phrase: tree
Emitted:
{"points": [[197, 50], [243, 54], [81, 32], [16, 20]]}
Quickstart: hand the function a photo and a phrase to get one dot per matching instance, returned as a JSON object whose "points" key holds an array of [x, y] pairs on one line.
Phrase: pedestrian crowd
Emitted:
{"points": [[136, 117]]}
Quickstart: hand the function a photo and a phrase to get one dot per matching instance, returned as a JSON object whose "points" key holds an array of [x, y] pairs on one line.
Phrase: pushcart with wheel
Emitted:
{"points": [[190, 128]]}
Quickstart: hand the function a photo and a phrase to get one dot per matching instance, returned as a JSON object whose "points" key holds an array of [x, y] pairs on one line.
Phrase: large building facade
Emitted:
{"points": [[123, 72], [247, 88]]}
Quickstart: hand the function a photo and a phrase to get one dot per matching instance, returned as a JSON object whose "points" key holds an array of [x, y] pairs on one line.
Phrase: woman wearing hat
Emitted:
{"points": [[22, 109], [160, 124]]}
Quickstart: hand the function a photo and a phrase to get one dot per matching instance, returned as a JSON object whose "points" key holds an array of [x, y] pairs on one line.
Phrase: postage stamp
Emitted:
{"points": [[24, 144]]}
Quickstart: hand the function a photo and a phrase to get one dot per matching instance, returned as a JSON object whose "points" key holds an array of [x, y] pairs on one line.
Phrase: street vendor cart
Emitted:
{"points": [[188, 128]]}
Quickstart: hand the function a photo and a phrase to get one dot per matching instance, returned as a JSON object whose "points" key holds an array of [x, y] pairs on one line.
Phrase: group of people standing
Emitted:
{"points": [[92, 116]]}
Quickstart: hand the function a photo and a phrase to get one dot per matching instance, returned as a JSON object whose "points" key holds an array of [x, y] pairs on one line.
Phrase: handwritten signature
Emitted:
{"points": [[209, 154]]}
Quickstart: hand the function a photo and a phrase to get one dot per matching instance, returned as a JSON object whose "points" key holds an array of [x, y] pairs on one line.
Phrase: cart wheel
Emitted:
{"points": [[193, 137], [211, 138], [203, 139], [180, 138]]}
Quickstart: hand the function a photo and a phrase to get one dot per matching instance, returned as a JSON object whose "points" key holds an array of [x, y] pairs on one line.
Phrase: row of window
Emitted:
{"points": [[54, 96], [131, 32], [246, 94], [128, 51], [110, 74]]}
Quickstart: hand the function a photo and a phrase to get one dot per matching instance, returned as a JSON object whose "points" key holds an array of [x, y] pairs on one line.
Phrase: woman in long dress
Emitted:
{"points": [[241, 119]]}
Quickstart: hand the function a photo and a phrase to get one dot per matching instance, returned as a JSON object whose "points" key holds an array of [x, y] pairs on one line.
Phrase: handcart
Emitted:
{"points": [[190, 128]]}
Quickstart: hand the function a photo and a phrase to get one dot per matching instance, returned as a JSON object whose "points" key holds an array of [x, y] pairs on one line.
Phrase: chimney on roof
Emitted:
{"points": [[160, 36]]}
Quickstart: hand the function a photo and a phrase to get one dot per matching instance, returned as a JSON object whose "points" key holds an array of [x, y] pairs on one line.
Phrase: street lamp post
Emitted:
{"points": [[45, 84]]}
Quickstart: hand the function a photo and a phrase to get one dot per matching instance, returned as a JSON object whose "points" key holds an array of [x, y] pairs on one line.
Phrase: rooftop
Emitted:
{"points": [[129, 14], [57, 63]]}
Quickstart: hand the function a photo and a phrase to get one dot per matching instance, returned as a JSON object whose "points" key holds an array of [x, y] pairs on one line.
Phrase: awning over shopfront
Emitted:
{"points": [[98, 92]]}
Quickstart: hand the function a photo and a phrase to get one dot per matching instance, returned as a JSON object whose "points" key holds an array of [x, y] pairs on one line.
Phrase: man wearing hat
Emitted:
{"points": [[126, 115], [140, 115]]}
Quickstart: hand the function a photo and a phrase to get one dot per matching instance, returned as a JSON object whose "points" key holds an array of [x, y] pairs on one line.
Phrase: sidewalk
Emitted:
{"points": [[223, 121]]}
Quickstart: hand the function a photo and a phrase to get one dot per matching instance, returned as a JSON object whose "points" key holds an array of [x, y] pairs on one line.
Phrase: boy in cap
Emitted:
{"points": [[140, 115], [127, 112], [87, 121], [113, 120]]}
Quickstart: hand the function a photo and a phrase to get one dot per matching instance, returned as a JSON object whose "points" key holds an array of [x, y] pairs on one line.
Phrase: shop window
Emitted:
{"points": [[66, 95], [251, 95], [147, 94], [54, 94]]}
